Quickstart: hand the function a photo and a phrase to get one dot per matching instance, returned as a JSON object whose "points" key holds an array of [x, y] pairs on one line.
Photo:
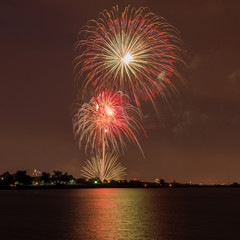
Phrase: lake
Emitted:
{"points": [[120, 214]]}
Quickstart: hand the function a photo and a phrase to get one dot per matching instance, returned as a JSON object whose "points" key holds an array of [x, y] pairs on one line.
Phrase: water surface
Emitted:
{"points": [[120, 214]]}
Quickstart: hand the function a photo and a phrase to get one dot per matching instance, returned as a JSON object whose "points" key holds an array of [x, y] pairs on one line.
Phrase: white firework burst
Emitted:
{"points": [[113, 170]]}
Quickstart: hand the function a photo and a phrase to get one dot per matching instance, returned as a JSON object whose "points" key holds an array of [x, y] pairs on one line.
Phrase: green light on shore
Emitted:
{"points": [[96, 182]]}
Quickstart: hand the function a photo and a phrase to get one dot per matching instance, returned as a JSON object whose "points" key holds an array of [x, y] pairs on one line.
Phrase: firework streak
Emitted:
{"points": [[105, 122], [112, 168], [135, 52], [107, 118]]}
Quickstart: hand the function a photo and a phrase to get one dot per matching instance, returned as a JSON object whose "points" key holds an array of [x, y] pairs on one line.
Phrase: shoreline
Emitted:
{"points": [[99, 185]]}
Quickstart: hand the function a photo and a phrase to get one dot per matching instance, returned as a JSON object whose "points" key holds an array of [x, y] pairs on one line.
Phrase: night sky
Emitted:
{"points": [[197, 136]]}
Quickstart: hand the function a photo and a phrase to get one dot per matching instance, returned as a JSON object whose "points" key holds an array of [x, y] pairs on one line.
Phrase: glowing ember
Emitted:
{"points": [[127, 59]]}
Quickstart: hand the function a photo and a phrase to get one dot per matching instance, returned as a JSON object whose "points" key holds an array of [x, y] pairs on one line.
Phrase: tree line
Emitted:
{"points": [[22, 178]]}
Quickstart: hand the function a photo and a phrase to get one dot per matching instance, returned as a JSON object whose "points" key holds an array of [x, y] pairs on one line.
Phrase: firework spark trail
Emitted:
{"points": [[113, 170], [135, 52], [105, 122], [109, 118]]}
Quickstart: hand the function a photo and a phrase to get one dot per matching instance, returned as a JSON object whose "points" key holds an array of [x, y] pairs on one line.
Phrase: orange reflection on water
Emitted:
{"points": [[116, 214]]}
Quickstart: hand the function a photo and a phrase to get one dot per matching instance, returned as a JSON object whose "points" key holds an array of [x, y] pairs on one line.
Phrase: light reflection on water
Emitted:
{"points": [[120, 214], [114, 214]]}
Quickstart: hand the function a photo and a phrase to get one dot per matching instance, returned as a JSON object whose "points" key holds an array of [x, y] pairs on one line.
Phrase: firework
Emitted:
{"points": [[135, 52], [113, 170], [106, 121]]}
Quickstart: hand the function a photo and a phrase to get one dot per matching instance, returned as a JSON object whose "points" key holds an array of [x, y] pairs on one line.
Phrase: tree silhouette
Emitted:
{"points": [[22, 178], [45, 177], [56, 177], [6, 179]]}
